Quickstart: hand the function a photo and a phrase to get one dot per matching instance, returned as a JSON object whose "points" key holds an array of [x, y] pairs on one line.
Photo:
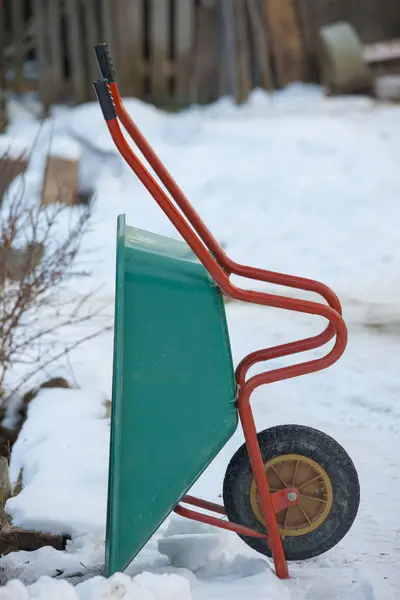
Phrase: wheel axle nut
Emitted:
{"points": [[292, 496]]}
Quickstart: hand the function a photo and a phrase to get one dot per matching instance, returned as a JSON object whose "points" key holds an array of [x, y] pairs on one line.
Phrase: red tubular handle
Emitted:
{"points": [[229, 266], [221, 267], [222, 278]]}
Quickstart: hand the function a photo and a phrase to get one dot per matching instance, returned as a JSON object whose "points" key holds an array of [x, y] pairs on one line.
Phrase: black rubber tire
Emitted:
{"points": [[341, 60], [313, 444]]}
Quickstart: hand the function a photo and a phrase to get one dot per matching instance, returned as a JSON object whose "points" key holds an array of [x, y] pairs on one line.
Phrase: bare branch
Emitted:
{"points": [[39, 246], [64, 352]]}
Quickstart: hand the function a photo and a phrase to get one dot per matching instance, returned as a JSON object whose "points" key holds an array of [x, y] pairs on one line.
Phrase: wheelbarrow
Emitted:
{"points": [[290, 492]]}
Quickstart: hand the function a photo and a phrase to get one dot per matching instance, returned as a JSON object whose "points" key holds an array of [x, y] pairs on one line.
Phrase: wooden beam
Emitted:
{"points": [[184, 47], [10, 167], [259, 28], [75, 51], [204, 83], [243, 52], [3, 103], [159, 44], [17, 27], [61, 182], [127, 45], [41, 32], [107, 25], [57, 76], [91, 20], [229, 68], [286, 41], [382, 52]]}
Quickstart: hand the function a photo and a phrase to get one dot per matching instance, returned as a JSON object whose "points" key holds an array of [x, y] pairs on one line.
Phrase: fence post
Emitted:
{"points": [[184, 48], [206, 62], [229, 71], [243, 52], [259, 28], [17, 29], [128, 44], [159, 44], [286, 41], [43, 55], [3, 102], [57, 72], [76, 50]]}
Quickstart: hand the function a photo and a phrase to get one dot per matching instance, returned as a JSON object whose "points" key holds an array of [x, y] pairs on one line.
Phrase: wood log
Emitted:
{"points": [[16, 538], [14, 158], [286, 41], [61, 181]]}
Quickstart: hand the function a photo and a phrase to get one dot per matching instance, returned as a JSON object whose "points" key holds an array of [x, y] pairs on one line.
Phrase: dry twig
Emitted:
{"points": [[41, 317]]}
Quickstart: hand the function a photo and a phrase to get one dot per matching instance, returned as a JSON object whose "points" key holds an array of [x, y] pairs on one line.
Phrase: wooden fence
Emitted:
{"points": [[173, 52], [151, 41], [154, 47]]}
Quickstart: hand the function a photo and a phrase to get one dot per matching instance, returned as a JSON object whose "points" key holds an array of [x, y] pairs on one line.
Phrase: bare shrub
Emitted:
{"points": [[41, 316]]}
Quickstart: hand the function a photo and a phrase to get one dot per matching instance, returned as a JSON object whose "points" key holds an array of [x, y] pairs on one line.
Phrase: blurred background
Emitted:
{"points": [[176, 52], [280, 119]]}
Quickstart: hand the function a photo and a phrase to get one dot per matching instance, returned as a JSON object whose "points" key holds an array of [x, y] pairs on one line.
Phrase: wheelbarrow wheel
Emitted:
{"points": [[322, 471]]}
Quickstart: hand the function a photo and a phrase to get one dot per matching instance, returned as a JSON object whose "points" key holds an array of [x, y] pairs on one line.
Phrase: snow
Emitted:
{"points": [[292, 182], [48, 433], [64, 147], [14, 148], [143, 587]]}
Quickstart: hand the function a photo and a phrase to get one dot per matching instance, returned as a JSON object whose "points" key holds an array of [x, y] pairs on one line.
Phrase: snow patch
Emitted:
{"points": [[118, 587], [14, 147], [65, 147], [63, 453], [206, 551]]}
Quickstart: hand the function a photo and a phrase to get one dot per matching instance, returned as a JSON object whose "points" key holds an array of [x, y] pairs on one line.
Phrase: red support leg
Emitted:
{"points": [[267, 507]]}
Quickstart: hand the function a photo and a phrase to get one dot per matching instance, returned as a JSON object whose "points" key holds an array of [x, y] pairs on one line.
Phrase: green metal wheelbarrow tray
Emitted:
{"points": [[290, 492]]}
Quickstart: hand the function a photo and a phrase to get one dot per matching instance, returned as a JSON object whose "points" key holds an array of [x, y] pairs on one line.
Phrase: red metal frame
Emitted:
{"points": [[221, 267], [280, 501]]}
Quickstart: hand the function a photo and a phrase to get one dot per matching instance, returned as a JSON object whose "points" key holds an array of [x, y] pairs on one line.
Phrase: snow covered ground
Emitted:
{"points": [[293, 182]]}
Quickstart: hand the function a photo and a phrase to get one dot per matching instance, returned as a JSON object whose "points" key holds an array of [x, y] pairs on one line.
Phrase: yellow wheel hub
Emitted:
{"points": [[313, 484]]}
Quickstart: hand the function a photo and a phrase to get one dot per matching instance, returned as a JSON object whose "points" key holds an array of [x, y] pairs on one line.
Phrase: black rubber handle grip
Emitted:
{"points": [[104, 61], [105, 99]]}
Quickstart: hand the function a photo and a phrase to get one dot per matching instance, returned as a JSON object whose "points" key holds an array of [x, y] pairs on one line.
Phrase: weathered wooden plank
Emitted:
{"points": [[159, 51], [204, 82], [243, 52], [5, 483], [54, 32], [61, 182], [228, 68], [91, 17], [382, 52], [107, 25], [258, 25], [184, 45], [41, 26], [17, 29], [13, 162], [128, 45], [3, 103], [302, 11], [119, 11], [286, 41], [75, 51]]}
